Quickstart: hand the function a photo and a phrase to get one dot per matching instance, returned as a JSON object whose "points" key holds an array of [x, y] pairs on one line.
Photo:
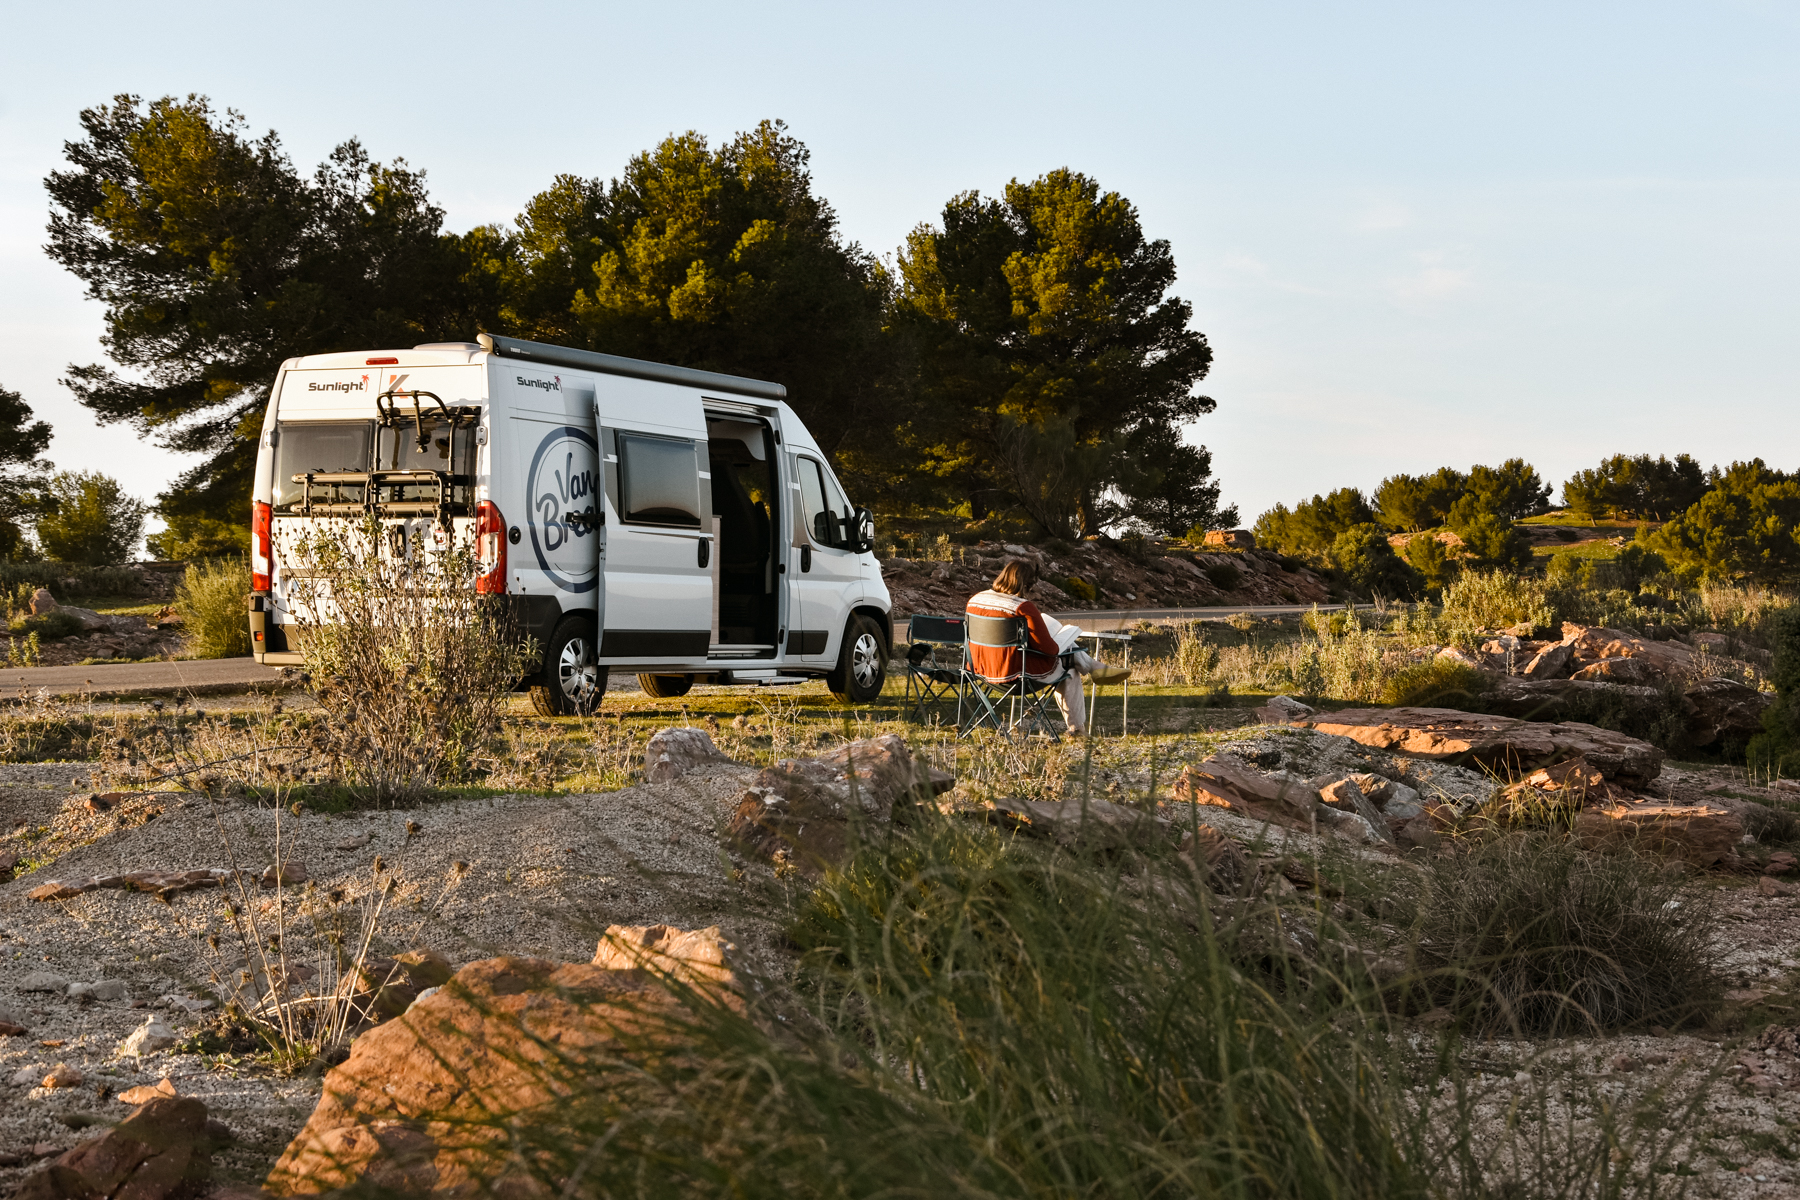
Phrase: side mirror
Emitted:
{"points": [[863, 526]]}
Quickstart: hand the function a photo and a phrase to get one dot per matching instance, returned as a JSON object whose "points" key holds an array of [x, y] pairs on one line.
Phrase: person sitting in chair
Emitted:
{"points": [[1052, 658]]}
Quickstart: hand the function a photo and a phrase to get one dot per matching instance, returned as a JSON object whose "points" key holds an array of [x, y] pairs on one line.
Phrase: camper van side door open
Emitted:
{"points": [[659, 577]]}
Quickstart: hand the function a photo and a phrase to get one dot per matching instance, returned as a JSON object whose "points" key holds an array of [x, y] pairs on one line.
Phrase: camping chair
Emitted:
{"points": [[1011, 700], [933, 668]]}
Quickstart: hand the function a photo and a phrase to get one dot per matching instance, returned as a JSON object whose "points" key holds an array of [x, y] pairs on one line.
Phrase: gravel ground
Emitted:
{"points": [[546, 875]]}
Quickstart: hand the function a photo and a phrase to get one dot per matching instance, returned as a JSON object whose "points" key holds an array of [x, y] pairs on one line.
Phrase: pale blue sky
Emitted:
{"points": [[1416, 234]]}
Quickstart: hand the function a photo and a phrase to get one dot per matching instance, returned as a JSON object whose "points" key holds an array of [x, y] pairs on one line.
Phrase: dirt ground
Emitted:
{"points": [[546, 874]]}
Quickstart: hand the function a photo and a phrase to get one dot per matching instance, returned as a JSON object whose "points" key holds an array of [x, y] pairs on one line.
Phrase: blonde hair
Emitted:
{"points": [[1017, 577]]}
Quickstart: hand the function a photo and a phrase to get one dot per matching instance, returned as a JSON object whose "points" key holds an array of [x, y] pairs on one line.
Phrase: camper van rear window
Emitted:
{"points": [[660, 481], [319, 447]]}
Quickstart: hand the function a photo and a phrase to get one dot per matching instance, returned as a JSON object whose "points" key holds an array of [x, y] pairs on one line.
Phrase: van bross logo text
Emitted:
{"points": [[562, 508], [361, 385], [549, 385]]}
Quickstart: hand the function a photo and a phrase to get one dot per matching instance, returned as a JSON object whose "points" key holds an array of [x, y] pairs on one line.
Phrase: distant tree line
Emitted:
{"points": [[1741, 522], [1023, 356]]}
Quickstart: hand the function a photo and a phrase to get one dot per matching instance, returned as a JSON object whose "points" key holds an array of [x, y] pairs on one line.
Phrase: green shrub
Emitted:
{"points": [[1771, 824], [1775, 752], [1534, 935], [48, 626], [210, 599], [1496, 600], [1368, 561], [1426, 555], [1436, 683], [1195, 657], [1079, 588], [1224, 576]]}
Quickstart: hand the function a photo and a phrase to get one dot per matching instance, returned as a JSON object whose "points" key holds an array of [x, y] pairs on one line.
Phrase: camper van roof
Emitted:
{"points": [[635, 368]]}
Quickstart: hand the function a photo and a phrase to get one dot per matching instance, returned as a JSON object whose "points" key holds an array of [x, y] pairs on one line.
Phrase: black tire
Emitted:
{"points": [[862, 663], [666, 686], [569, 683]]}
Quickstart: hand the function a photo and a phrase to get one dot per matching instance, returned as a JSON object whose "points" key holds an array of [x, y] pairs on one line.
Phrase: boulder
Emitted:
{"points": [[1496, 743], [432, 1101], [1659, 660], [1346, 796], [1552, 662], [149, 1038], [1219, 857], [1090, 823], [1278, 796], [674, 752], [90, 620], [1243, 539], [1562, 699], [162, 1150], [1698, 834], [1723, 709], [800, 809], [1638, 671], [42, 602], [697, 957], [1282, 709]]}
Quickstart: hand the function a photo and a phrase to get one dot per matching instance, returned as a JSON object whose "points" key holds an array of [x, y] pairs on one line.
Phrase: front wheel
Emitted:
{"points": [[666, 686], [862, 663], [571, 682]]}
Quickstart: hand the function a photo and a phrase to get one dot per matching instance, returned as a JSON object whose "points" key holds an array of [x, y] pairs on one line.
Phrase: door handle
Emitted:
{"points": [[705, 551], [806, 558]]}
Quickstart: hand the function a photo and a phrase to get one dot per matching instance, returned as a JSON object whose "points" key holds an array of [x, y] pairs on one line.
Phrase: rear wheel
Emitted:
{"points": [[664, 686], [570, 682], [862, 663]]}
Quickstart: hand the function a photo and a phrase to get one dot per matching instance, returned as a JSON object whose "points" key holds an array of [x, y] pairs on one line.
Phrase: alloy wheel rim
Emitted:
{"points": [[863, 658], [575, 670]]}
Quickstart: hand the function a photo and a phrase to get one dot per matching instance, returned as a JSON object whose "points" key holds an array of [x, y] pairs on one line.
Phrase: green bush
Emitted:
{"points": [[1533, 935], [1079, 588], [1224, 576], [210, 599], [1368, 561], [1426, 555], [1437, 683], [1775, 752], [1496, 600]]}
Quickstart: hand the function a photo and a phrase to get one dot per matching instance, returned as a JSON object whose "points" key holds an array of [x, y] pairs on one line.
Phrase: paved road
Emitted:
{"points": [[1106, 620], [221, 676], [196, 677]]}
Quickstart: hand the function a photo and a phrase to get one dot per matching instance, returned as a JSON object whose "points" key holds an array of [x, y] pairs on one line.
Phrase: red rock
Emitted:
{"points": [[1497, 743], [160, 1151], [1767, 886], [1697, 834], [699, 956], [424, 1104]]}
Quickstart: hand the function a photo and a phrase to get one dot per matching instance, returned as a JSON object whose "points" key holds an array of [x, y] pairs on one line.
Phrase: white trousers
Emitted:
{"points": [[1069, 697]]}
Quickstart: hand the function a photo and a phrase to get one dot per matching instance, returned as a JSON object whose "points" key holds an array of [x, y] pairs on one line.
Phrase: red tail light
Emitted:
{"points": [[261, 551], [490, 549]]}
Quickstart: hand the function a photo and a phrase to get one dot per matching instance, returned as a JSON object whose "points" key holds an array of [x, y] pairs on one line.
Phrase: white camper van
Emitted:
{"points": [[679, 524]]}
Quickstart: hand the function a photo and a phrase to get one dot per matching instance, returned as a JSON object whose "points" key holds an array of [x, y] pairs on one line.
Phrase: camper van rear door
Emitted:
{"points": [[558, 509]]}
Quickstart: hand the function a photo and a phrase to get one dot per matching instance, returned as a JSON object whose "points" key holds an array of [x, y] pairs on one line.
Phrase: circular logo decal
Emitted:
{"points": [[562, 487]]}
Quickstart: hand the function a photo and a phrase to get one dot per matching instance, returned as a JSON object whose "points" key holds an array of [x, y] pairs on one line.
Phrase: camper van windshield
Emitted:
{"points": [[318, 447]]}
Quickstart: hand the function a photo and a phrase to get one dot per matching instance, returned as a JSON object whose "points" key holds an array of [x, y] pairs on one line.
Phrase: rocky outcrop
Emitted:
{"points": [[1277, 797], [699, 957], [1282, 709], [1695, 833], [674, 752], [1240, 539], [1724, 710], [800, 810], [163, 1150], [1497, 743], [479, 1079], [1552, 662], [1093, 824], [1594, 644]]}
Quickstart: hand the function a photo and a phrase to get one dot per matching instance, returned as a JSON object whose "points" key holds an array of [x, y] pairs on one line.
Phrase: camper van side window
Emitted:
{"points": [[822, 504], [659, 480]]}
